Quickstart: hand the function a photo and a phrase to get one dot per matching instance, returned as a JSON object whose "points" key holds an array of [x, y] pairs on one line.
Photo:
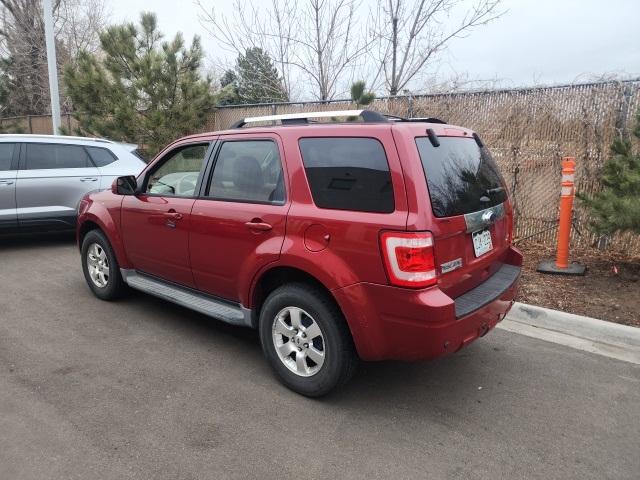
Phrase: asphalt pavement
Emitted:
{"points": [[144, 389]]}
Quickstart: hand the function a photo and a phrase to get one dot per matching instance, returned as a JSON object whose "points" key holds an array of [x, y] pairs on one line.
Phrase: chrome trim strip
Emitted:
{"points": [[483, 218]]}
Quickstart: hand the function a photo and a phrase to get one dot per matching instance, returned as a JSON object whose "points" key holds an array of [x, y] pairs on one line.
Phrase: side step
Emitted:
{"points": [[228, 312]]}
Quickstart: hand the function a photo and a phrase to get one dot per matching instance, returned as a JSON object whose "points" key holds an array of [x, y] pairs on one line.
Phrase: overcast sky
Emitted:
{"points": [[535, 42]]}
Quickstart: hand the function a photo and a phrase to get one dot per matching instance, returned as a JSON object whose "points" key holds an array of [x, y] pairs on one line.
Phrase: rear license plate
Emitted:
{"points": [[482, 242]]}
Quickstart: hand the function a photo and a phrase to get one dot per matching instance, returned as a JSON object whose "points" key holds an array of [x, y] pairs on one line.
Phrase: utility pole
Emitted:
{"points": [[394, 55], [52, 66]]}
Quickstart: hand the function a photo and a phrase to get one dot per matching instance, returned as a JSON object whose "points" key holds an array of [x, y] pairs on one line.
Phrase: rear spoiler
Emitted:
{"points": [[131, 147]]}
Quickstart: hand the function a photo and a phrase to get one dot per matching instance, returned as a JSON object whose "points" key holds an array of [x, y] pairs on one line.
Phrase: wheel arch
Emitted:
{"points": [[280, 275]]}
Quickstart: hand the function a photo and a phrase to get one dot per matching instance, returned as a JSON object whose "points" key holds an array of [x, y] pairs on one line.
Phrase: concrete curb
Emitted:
{"points": [[583, 333]]}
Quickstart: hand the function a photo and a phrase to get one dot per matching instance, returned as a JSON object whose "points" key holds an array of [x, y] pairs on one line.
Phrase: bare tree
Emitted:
{"points": [[23, 62], [269, 28], [78, 24], [319, 40], [408, 35], [330, 45]]}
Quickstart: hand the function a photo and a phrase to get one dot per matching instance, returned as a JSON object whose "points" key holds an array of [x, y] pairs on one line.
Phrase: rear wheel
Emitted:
{"points": [[306, 340], [100, 267]]}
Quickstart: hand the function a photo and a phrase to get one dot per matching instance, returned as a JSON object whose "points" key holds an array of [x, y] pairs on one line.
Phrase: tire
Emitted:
{"points": [[286, 325], [96, 249]]}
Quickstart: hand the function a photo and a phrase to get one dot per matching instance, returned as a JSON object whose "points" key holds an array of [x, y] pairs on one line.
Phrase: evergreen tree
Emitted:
{"points": [[228, 94], [617, 207], [359, 95], [141, 89], [257, 79]]}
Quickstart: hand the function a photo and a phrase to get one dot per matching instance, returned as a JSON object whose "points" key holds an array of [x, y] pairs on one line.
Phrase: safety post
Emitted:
{"points": [[567, 194]]}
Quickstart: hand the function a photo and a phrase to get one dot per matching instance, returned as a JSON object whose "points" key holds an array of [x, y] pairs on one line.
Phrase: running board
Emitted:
{"points": [[227, 312]]}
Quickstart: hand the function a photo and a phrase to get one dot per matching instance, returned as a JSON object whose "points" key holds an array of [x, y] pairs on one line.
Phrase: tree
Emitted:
{"points": [[408, 35], [359, 95], [270, 27], [617, 207], [257, 79], [23, 51], [140, 89], [318, 39]]}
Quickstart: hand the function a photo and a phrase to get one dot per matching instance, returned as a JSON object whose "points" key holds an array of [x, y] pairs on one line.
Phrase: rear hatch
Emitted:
{"points": [[471, 217]]}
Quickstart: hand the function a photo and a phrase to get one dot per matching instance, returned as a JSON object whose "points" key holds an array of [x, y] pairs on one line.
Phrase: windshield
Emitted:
{"points": [[461, 176]]}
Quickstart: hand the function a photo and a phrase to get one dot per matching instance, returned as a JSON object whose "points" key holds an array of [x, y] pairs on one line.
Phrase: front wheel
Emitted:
{"points": [[100, 267], [306, 340]]}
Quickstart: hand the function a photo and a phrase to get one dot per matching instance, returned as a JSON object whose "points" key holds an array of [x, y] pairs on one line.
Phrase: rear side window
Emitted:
{"points": [[461, 176], [51, 156], [6, 154], [101, 156], [348, 174], [248, 171]]}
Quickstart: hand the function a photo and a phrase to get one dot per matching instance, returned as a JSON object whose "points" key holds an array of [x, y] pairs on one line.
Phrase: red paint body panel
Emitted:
{"points": [[152, 244], [398, 323], [212, 250]]}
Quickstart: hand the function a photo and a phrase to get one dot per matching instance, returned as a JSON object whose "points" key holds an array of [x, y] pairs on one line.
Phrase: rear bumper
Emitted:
{"points": [[402, 324]]}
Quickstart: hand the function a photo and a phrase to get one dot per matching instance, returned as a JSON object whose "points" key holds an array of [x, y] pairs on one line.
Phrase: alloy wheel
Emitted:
{"points": [[298, 341]]}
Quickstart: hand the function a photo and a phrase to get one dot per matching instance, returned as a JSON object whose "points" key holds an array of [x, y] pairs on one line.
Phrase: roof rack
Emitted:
{"points": [[396, 118], [65, 137], [304, 117]]}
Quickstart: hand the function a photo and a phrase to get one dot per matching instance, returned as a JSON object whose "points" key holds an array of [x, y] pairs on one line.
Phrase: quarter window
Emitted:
{"points": [[178, 173], [42, 156], [101, 156], [6, 155], [348, 174], [248, 171]]}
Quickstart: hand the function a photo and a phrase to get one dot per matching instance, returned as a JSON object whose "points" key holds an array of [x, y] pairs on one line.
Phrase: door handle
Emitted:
{"points": [[173, 215], [6, 182], [89, 179], [258, 226]]}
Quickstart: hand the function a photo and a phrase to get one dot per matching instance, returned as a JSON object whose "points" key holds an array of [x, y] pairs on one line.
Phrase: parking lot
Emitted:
{"points": [[145, 389]]}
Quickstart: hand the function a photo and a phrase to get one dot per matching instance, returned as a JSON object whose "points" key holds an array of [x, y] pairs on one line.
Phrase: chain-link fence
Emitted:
{"points": [[528, 132]]}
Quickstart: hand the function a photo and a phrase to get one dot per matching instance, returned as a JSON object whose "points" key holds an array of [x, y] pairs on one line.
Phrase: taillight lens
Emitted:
{"points": [[409, 259]]}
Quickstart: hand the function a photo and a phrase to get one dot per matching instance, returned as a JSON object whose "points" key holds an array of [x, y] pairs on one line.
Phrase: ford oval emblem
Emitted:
{"points": [[488, 216]]}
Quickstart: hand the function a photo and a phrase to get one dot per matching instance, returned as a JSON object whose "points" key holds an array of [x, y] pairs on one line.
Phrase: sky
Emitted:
{"points": [[535, 42]]}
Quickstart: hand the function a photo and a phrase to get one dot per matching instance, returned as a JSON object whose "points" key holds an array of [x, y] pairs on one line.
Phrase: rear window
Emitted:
{"points": [[461, 176], [348, 174]]}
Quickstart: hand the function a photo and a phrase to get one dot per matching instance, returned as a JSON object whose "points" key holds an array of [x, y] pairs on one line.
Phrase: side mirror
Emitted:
{"points": [[124, 185]]}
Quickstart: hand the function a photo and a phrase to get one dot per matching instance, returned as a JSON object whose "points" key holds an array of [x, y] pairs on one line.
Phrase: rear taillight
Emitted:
{"points": [[409, 258]]}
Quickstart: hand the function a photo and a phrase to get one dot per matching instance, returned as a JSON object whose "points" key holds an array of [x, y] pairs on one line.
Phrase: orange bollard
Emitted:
{"points": [[567, 194], [566, 211]]}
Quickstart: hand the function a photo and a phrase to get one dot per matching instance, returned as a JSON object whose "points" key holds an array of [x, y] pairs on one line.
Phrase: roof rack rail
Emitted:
{"points": [[304, 117], [397, 118]]}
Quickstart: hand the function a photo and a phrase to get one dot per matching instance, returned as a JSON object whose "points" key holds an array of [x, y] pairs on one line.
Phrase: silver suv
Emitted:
{"points": [[43, 177]]}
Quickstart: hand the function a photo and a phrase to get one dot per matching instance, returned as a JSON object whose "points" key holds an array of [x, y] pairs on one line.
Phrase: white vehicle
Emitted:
{"points": [[43, 177]]}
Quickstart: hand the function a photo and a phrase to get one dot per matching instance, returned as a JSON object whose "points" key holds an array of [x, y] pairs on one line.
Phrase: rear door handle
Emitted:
{"points": [[173, 216], [258, 226], [89, 179]]}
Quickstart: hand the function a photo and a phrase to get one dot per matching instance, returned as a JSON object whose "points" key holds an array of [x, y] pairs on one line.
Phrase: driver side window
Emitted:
{"points": [[178, 174]]}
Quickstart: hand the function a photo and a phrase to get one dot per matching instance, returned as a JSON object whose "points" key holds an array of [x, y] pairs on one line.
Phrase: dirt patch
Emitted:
{"points": [[610, 289]]}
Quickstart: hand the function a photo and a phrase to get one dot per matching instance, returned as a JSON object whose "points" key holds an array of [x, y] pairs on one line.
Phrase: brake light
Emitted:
{"points": [[409, 259]]}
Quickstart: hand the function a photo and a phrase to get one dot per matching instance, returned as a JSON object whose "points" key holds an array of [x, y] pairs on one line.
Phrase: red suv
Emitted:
{"points": [[383, 238]]}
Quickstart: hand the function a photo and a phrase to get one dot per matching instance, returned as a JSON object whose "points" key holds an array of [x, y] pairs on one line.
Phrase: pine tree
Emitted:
{"points": [[359, 95], [141, 89], [228, 93], [617, 207], [257, 79]]}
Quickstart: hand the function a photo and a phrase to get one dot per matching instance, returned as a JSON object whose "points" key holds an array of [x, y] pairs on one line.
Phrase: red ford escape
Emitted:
{"points": [[383, 238]]}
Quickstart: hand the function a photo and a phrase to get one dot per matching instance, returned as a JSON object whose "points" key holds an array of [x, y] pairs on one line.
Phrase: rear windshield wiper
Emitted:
{"points": [[491, 191]]}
